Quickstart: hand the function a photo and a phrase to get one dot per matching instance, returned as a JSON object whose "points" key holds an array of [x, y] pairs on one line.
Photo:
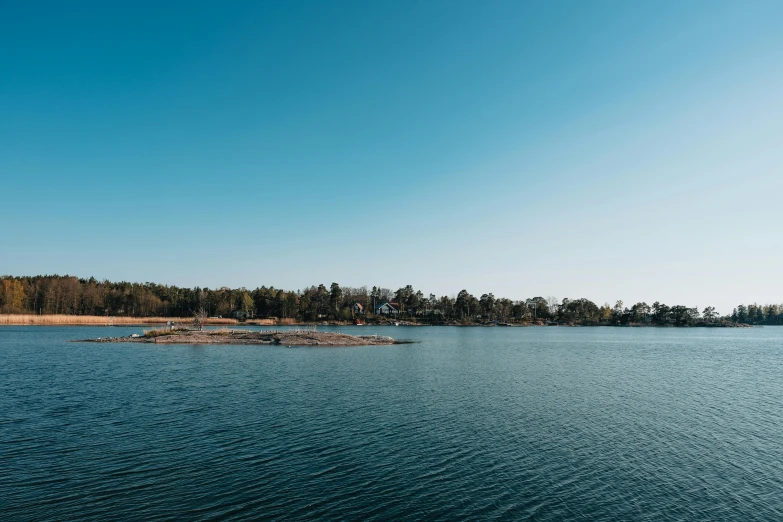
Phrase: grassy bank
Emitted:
{"points": [[99, 320]]}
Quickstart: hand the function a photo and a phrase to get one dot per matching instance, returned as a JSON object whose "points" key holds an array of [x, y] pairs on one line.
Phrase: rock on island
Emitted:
{"points": [[293, 338]]}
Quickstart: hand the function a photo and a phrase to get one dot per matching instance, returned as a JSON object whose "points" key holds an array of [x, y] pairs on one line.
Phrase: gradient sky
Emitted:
{"points": [[608, 150]]}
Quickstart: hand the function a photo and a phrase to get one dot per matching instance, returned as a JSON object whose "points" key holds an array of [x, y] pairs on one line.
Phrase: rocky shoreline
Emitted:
{"points": [[293, 338]]}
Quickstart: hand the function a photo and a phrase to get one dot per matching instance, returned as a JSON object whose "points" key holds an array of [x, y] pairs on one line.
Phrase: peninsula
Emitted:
{"points": [[285, 338]]}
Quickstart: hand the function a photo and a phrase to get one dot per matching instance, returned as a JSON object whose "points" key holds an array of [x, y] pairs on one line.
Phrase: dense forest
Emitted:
{"points": [[71, 295]]}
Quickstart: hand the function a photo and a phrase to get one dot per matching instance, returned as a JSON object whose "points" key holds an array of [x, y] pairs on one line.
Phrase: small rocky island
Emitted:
{"points": [[285, 338]]}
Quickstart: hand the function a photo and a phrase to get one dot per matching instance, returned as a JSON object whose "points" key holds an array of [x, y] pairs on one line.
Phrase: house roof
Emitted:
{"points": [[359, 305]]}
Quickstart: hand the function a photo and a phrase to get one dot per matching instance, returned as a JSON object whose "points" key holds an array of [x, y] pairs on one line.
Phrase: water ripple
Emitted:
{"points": [[476, 424]]}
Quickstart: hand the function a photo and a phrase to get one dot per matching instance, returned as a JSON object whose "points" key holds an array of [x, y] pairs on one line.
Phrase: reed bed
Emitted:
{"points": [[271, 321], [100, 320]]}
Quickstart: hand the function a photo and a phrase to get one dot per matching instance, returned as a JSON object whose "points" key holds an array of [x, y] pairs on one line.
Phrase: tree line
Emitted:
{"points": [[70, 295]]}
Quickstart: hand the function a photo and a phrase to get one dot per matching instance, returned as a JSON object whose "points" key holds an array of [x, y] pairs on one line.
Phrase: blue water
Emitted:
{"points": [[470, 423]]}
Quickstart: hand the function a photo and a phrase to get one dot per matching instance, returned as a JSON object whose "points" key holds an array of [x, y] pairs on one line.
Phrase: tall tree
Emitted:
{"points": [[487, 305], [335, 296]]}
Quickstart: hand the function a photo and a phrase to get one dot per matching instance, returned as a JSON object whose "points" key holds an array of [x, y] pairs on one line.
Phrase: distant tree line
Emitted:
{"points": [[70, 295]]}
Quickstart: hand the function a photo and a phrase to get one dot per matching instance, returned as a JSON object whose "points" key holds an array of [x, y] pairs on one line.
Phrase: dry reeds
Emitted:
{"points": [[157, 332], [100, 320], [272, 321], [261, 322]]}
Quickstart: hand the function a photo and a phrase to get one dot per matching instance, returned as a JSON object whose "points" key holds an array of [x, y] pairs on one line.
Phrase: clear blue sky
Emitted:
{"points": [[608, 150]]}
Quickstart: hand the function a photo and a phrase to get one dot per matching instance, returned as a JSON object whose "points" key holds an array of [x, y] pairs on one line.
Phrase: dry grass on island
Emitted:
{"points": [[276, 337]]}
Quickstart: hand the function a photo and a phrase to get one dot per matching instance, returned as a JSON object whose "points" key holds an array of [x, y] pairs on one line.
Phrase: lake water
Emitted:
{"points": [[470, 423]]}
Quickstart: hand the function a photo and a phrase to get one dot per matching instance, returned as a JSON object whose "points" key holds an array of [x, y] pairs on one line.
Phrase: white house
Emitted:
{"points": [[386, 309]]}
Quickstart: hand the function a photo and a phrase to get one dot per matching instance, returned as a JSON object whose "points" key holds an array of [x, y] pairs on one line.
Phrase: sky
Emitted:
{"points": [[607, 150]]}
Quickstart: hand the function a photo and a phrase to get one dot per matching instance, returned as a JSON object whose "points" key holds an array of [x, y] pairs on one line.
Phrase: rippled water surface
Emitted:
{"points": [[470, 423]]}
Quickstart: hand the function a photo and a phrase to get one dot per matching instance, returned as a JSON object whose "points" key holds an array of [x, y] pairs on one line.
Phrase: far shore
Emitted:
{"points": [[98, 320]]}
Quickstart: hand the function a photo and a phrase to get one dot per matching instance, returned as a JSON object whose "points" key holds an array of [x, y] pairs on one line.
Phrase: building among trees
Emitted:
{"points": [[389, 309]]}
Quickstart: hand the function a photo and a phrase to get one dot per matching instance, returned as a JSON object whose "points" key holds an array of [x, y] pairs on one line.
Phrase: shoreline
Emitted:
{"points": [[417, 325], [187, 322]]}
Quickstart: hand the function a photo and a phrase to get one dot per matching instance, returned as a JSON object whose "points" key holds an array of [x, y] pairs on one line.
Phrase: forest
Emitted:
{"points": [[53, 294]]}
